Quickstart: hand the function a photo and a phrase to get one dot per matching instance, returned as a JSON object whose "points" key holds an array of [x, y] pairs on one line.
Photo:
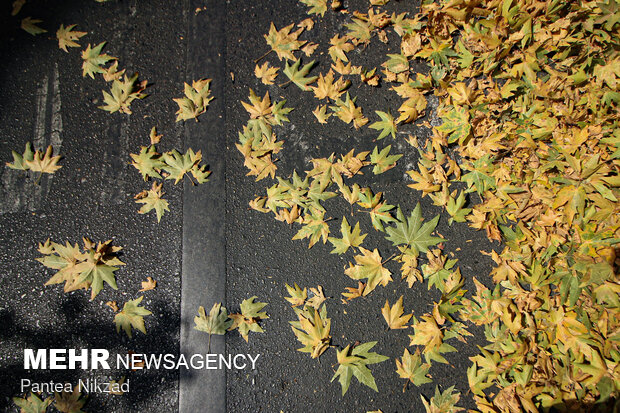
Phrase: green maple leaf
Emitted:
{"points": [[67, 402], [443, 402], [217, 322], [196, 100], [152, 200], [93, 60], [383, 161], [412, 233], [132, 315], [477, 179], [354, 362], [456, 124], [148, 162], [98, 266], [455, 208], [178, 165], [410, 367], [32, 404], [387, 125], [96, 274], [298, 76], [279, 112], [316, 6], [251, 309], [21, 161], [349, 238], [123, 92], [30, 25], [370, 266], [249, 318]]}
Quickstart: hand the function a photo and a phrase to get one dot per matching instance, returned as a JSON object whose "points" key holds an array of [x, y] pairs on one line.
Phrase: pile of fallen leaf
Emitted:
{"points": [[528, 94]]}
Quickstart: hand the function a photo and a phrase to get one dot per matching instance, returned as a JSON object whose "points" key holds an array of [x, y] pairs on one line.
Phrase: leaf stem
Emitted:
{"points": [[389, 258], [263, 56], [190, 179], [209, 344], [39, 178], [285, 83]]}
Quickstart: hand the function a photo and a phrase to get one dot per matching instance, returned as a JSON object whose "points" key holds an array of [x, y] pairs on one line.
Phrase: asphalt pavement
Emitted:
{"points": [[211, 246]]}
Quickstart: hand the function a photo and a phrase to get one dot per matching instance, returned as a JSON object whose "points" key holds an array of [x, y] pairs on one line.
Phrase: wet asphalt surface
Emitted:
{"points": [[44, 98]]}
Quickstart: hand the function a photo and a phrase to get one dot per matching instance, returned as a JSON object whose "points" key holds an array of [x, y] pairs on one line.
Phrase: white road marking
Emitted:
{"points": [[18, 189]]}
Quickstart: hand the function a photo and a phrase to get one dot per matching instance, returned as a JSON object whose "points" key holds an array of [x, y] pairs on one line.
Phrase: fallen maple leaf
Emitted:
{"points": [[179, 165], [148, 285], [320, 114], [20, 162], [249, 318], [67, 37], [132, 315], [317, 298], [394, 316], [32, 404], [283, 42], [148, 162], [316, 6], [93, 60], [350, 238], [30, 25], [17, 6], [354, 362], [152, 200], [297, 295], [123, 92], [369, 266], [217, 322], [412, 232], [44, 163], [386, 125], [266, 73], [410, 367], [383, 161], [196, 99], [69, 402], [348, 112], [312, 330], [298, 76], [353, 292], [111, 72], [443, 402]]}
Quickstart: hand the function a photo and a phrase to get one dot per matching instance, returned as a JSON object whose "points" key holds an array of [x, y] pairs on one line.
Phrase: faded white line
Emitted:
{"points": [[56, 122], [19, 192]]}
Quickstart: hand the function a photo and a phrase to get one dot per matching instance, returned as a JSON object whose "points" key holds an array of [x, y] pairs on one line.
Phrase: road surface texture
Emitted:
{"points": [[211, 246]]}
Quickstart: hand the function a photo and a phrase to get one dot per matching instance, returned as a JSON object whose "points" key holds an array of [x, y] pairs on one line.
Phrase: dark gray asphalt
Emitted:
{"points": [[210, 232]]}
